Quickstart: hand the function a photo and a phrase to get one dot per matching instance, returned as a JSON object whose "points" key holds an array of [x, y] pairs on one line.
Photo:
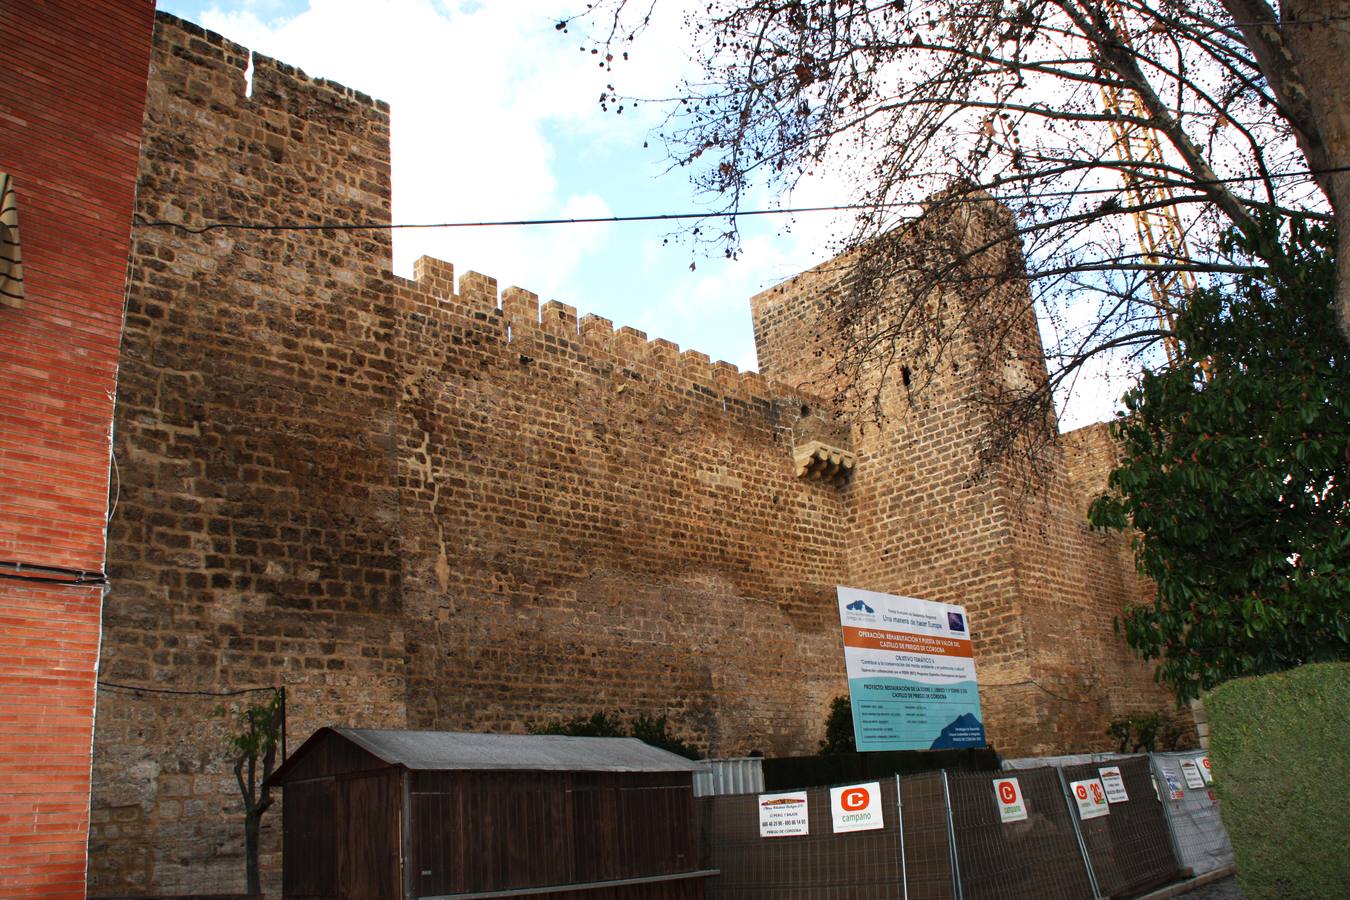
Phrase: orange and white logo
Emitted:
{"points": [[855, 799], [1091, 798]]}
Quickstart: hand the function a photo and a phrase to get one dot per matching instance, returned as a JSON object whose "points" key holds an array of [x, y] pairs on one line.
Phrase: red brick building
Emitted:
{"points": [[72, 95]]}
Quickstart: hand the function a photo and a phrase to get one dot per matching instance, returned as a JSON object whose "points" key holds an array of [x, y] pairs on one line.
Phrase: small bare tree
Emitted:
{"points": [[254, 749]]}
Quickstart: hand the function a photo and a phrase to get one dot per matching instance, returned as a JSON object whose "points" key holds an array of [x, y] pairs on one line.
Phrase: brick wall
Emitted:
{"points": [[71, 100], [433, 503]]}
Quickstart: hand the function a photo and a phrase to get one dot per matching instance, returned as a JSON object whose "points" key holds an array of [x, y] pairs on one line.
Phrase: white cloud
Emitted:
{"points": [[472, 88]]}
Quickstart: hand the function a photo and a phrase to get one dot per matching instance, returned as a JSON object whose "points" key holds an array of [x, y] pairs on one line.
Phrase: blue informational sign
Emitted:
{"points": [[911, 673]]}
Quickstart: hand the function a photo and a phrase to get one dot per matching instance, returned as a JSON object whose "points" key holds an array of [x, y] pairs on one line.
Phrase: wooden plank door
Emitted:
{"points": [[370, 817]]}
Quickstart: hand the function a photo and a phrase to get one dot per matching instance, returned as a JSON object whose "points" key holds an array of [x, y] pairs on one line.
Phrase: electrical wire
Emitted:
{"points": [[670, 217], [50, 574], [152, 690]]}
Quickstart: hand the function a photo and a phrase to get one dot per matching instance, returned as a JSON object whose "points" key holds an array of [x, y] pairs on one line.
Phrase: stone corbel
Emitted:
{"points": [[819, 461]]}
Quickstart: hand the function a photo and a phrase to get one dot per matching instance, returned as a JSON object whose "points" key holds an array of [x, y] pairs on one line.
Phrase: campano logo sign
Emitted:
{"points": [[1010, 805], [856, 807]]}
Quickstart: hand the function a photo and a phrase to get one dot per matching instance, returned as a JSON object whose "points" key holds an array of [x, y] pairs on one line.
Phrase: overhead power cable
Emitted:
{"points": [[44, 574], [154, 690], [669, 217]]}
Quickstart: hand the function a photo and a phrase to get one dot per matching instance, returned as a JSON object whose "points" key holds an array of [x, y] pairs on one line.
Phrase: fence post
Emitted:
{"points": [[1164, 792], [1078, 832], [900, 825], [951, 837]]}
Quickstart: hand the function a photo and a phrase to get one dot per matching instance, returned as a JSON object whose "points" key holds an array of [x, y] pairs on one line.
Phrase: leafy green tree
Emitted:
{"points": [[254, 748], [839, 728], [648, 729], [1145, 733], [1234, 477], [652, 730], [598, 724]]}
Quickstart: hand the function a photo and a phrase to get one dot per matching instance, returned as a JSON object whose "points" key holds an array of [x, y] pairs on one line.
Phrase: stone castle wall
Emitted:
{"points": [[432, 503], [255, 538], [1042, 589]]}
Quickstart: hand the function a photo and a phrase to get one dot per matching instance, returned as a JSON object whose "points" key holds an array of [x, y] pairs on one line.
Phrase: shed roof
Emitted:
{"points": [[449, 750]]}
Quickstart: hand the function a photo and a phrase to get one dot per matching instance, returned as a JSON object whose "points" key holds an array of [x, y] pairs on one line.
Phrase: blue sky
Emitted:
{"points": [[494, 117]]}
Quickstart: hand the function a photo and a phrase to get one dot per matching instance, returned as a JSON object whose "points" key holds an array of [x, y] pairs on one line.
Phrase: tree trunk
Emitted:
{"points": [[1318, 35], [252, 823]]}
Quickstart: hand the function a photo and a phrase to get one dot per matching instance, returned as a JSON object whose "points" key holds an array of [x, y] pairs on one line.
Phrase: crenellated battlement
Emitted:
{"points": [[269, 143], [523, 319], [209, 50]]}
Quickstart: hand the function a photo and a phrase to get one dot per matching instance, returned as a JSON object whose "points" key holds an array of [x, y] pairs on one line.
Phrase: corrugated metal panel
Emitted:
{"points": [[449, 751], [1202, 842], [1071, 759], [742, 775]]}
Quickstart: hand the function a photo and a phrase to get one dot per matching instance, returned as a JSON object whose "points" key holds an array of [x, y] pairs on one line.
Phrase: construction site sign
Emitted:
{"points": [[856, 807], [1091, 798], [1191, 772], [911, 673], [783, 815], [1114, 785]]}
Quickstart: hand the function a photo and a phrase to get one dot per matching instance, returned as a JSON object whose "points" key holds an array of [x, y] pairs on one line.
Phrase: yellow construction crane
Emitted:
{"points": [[1161, 238]]}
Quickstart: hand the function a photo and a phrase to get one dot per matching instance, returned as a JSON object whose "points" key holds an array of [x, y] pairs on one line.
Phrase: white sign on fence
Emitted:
{"points": [[783, 815], [1203, 763], [1011, 806], [1191, 772], [1091, 798], [1114, 785], [856, 807], [1174, 790]]}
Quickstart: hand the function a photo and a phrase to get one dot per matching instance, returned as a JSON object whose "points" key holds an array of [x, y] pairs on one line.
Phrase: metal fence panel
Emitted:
{"points": [[1035, 859], [743, 775], [1130, 848], [1069, 759], [928, 861], [821, 865], [1200, 836]]}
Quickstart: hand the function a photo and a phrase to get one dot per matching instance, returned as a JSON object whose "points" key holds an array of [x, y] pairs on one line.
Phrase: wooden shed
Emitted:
{"points": [[384, 815]]}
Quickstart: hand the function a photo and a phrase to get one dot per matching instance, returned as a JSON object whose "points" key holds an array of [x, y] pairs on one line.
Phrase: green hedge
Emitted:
{"points": [[1280, 748]]}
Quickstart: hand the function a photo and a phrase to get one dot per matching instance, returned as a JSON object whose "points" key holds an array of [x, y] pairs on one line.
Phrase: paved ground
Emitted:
{"points": [[1225, 889]]}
